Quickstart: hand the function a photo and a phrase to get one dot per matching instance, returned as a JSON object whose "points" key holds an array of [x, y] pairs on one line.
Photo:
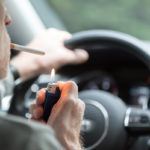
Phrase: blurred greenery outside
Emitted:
{"points": [[128, 16]]}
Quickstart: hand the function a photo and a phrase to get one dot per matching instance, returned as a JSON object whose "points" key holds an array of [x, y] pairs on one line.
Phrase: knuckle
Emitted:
{"points": [[66, 33], [72, 84], [76, 103], [52, 29], [70, 101], [32, 107], [82, 102], [43, 90], [38, 96], [81, 105], [39, 111], [39, 92]]}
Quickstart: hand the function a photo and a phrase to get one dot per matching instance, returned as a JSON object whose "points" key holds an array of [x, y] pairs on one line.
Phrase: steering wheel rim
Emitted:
{"points": [[111, 38]]}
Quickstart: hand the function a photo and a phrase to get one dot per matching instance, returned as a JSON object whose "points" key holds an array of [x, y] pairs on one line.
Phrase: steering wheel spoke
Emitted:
{"points": [[137, 121]]}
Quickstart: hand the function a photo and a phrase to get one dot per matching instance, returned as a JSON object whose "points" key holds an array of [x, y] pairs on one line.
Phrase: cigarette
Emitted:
{"points": [[26, 49]]}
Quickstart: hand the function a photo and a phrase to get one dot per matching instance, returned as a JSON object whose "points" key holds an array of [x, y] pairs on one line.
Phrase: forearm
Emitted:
{"points": [[69, 137]]}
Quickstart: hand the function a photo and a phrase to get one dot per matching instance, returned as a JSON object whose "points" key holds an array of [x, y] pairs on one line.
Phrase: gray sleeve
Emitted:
{"points": [[43, 141], [6, 85], [20, 134]]}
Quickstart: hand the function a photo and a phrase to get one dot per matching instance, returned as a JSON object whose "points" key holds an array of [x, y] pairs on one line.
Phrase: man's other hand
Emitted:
{"points": [[52, 42]]}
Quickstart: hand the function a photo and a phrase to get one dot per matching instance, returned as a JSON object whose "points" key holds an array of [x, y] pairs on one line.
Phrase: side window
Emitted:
{"points": [[129, 16]]}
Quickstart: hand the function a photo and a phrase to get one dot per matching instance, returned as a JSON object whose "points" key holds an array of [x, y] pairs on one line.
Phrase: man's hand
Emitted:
{"points": [[51, 41], [66, 115]]}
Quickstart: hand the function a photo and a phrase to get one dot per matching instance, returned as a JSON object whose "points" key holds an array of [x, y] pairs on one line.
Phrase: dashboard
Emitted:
{"points": [[129, 80]]}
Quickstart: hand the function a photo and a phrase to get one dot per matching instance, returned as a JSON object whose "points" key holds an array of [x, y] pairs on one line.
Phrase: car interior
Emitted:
{"points": [[114, 83]]}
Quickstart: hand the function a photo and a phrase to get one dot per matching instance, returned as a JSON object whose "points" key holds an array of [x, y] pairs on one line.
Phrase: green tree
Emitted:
{"points": [[129, 16]]}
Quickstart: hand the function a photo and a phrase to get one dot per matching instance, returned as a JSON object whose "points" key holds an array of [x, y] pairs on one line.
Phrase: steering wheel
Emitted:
{"points": [[108, 121]]}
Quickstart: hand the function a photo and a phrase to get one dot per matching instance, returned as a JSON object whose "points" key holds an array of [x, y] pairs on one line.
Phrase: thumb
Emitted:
{"points": [[69, 90]]}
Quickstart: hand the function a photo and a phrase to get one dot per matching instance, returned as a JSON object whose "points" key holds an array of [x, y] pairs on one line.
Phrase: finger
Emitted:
{"points": [[81, 104], [38, 120], [36, 111], [69, 91], [32, 107], [77, 56], [81, 55], [80, 107], [60, 85], [41, 96], [64, 35]]}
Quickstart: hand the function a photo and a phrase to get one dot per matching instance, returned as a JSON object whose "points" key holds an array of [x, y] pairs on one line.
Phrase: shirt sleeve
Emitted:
{"points": [[17, 133], [7, 85]]}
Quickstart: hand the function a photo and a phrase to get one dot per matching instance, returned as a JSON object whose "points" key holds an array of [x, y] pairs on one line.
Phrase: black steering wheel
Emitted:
{"points": [[108, 121]]}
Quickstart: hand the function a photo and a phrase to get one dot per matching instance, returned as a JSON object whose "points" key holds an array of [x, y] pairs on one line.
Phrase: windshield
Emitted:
{"points": [[128, 16]]}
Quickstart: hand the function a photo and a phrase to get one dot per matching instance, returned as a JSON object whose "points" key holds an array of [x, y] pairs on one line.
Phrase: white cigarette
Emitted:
{"points": [[26, 49]]}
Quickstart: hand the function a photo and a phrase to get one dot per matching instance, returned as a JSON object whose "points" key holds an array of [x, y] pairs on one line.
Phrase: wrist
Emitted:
{"points": [[15, 72], [71, 145], [25, 67], [70, 142]]}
